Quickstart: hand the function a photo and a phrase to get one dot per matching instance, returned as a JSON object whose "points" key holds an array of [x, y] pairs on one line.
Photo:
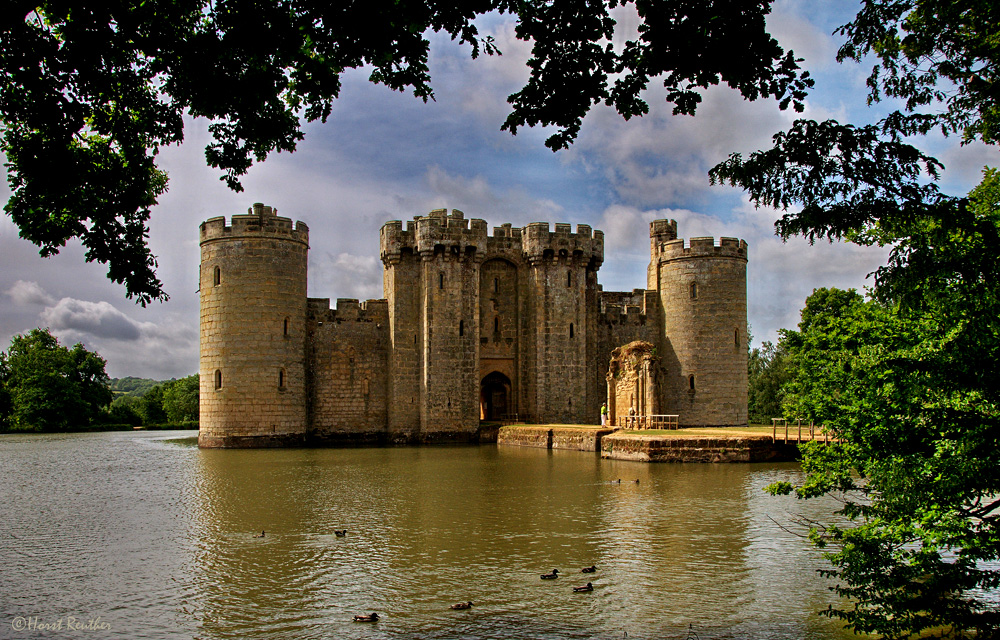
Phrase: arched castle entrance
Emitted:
{"points": [[495, 397]]}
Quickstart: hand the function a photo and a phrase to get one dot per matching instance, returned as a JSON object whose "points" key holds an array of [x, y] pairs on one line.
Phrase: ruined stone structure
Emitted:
{"points": [[474, 326]]}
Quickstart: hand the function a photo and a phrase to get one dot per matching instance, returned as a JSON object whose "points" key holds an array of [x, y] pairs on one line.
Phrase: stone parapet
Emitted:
{"points": [[348, 310], [549, 437], [650, 448], [700, 248], [538, 243], [433, 234], [260, 221]]}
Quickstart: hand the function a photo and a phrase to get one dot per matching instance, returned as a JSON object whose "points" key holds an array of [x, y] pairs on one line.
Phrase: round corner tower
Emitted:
{"points": [[702, 290], [253, 310]]}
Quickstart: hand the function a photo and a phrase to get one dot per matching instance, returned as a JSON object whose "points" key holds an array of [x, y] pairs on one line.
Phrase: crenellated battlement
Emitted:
{"points": [[700, 248], [662, 230], [627, 315], [624, 307], [259, 221], [318, 310], [439, 232], [507, 230], [538, 242]]}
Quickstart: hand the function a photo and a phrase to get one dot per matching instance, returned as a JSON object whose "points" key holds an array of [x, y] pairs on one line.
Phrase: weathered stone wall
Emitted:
{"points": [[347, 369], [444, 251], [253, 309], [525, 436], [702, 294], [633, 383], [657, 449], [545, 437], [401, 284], [626, 317], [499, 315], [578, 439], [560, 265]]}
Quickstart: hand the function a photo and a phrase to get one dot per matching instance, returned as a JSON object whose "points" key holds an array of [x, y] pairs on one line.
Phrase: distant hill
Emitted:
{"points": [[135, 387]]}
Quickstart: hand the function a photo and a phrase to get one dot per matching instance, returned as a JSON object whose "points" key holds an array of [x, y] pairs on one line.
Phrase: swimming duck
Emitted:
{"points": [[591, 569], [341, 533], [587, 587], [373, 617], [551, 576], [462, 605], [259, 536]]}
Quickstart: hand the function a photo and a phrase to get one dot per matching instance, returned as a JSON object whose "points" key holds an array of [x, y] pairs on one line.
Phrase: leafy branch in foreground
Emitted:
{"points": [[90, 91], [906, 381], [908, 391]]}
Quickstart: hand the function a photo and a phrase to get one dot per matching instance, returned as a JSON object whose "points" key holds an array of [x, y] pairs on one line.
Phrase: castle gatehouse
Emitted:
{"points": [[474, 326]]}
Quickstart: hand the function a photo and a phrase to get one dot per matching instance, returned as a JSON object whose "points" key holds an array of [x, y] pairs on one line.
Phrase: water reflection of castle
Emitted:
{"points": [[473, 326]]}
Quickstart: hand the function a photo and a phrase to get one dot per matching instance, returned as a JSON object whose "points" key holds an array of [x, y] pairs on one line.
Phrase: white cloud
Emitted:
{"points": [[29, 293], [478, 198], [345, 275]]}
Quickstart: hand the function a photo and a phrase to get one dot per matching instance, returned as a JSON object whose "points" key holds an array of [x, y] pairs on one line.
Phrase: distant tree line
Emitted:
{"points": [[45, 386], [140, 401]]}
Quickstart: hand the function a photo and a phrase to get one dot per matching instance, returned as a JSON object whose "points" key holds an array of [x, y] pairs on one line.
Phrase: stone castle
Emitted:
{"points": [[473, 327]]}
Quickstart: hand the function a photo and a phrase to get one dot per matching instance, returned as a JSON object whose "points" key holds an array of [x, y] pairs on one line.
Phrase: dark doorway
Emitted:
{"points": [[495, 396]]}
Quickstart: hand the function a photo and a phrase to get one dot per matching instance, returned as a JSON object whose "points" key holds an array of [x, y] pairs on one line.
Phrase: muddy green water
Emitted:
{"points": [[130, 535]]}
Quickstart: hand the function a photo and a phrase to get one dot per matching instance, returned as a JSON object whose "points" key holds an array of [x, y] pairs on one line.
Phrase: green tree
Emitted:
{"points": [[768, 373], [6, 404], [180, 400], [132, 386], [151, 406], [124, 412], [92, 90], [906, 381], [907, 384], [52, 388]]}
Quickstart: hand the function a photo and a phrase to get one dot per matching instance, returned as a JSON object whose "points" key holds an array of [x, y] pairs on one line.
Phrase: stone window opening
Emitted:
{"points": [[736, 338], [496, 325], [569, 278], [694, 291], [691, 383], [281, 378], [496, 285], [570, 329], [461, 328], [218, 379], [285, 328], [216, 277], [440, 281]]}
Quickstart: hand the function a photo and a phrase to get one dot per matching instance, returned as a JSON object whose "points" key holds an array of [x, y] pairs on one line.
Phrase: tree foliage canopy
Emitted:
{"points": [[767, 373], [907, 384], [906, 381], [90, 91], [49, 387]]}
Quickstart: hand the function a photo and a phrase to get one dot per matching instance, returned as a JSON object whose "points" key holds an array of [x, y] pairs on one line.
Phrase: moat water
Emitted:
{"points": [[131, 535]]}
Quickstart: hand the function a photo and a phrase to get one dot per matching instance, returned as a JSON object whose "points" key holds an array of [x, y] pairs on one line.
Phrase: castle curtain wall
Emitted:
{"points": [[348, 352]]}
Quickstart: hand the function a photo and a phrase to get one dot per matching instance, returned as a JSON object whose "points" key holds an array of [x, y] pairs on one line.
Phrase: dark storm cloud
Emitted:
{"points": [[98, 319]]}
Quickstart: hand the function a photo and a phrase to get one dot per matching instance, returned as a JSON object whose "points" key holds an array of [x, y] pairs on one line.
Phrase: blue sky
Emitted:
{"points": [[384, 155]]}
